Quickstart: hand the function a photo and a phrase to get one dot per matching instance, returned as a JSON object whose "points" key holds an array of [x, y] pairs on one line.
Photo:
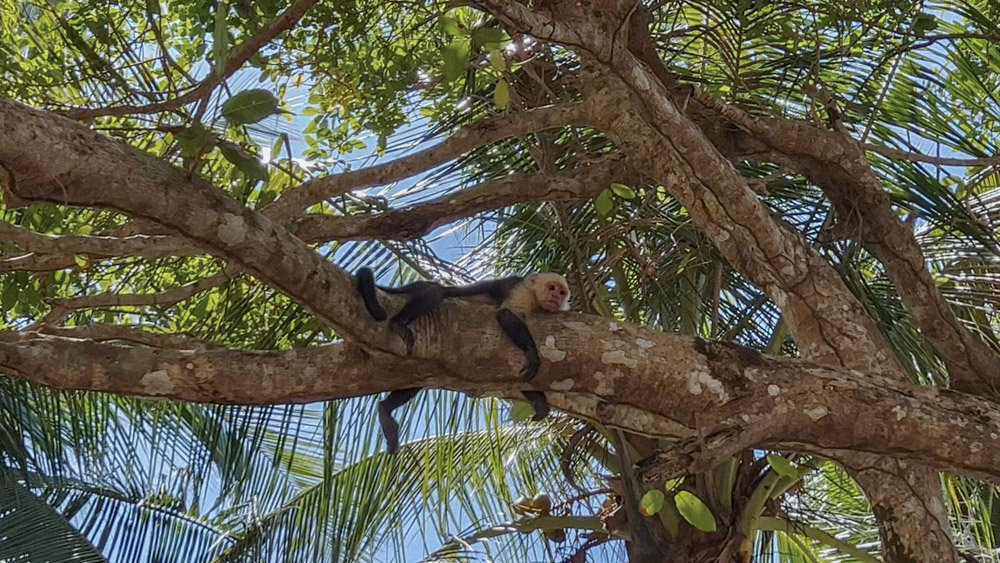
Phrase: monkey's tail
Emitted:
{"points": [[403, 290], [366, 287]]}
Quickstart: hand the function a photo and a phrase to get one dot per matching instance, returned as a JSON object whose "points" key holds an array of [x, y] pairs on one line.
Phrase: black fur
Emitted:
{"points": [[425, 297], [390, 428]]}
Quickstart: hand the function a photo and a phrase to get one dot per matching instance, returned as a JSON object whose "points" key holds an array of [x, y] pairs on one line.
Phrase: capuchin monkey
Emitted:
{"points": [[512, 296]]}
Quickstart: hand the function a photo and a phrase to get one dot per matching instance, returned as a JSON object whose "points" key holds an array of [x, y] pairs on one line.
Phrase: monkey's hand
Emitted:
{"points": [[406, 334]]}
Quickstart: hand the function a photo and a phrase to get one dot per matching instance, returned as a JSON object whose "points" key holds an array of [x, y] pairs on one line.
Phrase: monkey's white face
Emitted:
{"points": [[551, 292]]}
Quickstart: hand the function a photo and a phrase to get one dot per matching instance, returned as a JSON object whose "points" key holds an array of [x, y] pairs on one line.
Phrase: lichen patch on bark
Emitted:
{"points": [[699, 380], [562, 384], [234, 230], [618, 357], [158, 382], [549, 351]]}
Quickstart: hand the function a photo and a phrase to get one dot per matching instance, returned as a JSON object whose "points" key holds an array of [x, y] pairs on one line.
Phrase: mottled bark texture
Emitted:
{"points": [[719, 399], [849, 400], [829, 324]]}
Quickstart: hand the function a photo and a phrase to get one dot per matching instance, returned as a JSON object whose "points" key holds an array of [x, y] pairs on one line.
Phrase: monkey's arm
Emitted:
{"points": [[520, 335]]}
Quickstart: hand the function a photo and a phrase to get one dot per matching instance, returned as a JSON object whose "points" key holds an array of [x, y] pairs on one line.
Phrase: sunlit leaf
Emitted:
{"points": [[220, 38], [651, 502], [603, 203], [246, 162], [497, 60], [694, 511], [250, 106], [924, 23], [521, 411], [486, 35], [501, 94], [195, 139], [623, 191], [782, 465], [456, 59]]}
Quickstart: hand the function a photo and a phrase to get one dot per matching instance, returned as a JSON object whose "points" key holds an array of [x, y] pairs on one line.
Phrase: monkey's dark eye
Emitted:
{"points": [[552, 286]]}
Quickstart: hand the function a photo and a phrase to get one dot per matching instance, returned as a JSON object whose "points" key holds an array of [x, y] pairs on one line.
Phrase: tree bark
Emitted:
{"points": [[829, 324]]}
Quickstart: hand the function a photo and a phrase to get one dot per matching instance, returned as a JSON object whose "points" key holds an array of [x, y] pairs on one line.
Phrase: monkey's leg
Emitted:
{"points": [[520, 335], [421, 303], [366, 287], [390, 428]]}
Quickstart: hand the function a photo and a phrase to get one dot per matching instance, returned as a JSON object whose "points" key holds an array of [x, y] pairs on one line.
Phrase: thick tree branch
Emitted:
{"points": [[37, 262], [48, 253], [829, 324], [45, 253], [420, 219], [101, 332], [835, 163], [96, 171], [292, 202], [148, 247], [624, 376], [62, 308]]}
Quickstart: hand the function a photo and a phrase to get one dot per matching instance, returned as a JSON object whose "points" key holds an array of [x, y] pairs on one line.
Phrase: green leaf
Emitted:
{"points": [[246, 162], [277, 146], [9, 297], [81, 260], [521, 411], [670, 518], [250, 106], [485, 35], [497, 60], [200, 310], [651, 502], [194, 140], [603, 203], [782, 465], [25, 515], [623, 191], [456, 59], [450, 25], [501, 94], [220, 38], [694, 511], [924, 23]]}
